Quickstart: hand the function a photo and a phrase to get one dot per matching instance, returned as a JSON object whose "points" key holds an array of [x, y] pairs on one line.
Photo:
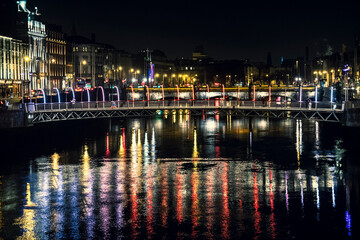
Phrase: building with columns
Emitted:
{"points": [[31, 30], [14, 72]]}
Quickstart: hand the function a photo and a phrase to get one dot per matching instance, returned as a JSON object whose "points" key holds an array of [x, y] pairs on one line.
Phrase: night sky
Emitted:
{"points": [[227, 30]]}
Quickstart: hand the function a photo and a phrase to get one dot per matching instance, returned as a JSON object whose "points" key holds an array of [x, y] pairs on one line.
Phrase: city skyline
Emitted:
{"points": [[227, 31]]}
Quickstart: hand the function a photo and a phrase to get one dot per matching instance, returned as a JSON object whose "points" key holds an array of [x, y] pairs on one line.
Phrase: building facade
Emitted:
{"points": [[31, 30], [14, 72], [56, 55]]}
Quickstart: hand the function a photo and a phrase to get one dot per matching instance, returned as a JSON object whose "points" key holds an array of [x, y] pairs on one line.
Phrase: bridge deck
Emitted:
{"points": [[90, 110]]}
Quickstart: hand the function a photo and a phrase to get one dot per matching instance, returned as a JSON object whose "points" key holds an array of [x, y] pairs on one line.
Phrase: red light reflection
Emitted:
{"points": [[257, 216], [225, 200]]}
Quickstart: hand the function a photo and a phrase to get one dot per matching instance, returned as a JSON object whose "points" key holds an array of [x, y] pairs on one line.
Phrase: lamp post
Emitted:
{"points": [[49, 74], [172, 80], [132, 75], [156, 77], [316, 78], [120, 77], [27, 59], [137, 72], [83, 62], [332, 76], [164, 76]]}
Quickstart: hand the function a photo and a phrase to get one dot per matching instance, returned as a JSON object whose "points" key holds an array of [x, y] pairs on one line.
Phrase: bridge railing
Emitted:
{"points": [[177, 103]]}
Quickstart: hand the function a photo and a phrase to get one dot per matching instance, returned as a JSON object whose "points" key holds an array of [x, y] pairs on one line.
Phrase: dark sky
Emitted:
{"points": [[227, 29]]}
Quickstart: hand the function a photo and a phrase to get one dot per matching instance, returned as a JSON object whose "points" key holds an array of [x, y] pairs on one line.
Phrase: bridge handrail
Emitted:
{"points": [[164, 104]]}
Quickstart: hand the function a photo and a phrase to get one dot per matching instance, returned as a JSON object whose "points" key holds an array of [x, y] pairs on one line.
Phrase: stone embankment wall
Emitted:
{"points": [[12, 118], [352, 117]]}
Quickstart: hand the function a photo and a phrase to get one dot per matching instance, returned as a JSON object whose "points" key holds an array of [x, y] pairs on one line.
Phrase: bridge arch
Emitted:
{"points": [[43, 92], [58, 94], [118, 93], [97, 93]]}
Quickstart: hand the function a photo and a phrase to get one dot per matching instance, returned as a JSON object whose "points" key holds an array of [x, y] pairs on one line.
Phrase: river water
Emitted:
{"points": [[180, 177]]}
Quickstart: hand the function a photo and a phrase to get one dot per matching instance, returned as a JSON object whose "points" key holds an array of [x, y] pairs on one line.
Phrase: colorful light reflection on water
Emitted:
{"points": [[180, 178]]}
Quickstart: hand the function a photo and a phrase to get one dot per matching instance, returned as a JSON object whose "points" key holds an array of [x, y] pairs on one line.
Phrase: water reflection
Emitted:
{"points": [[160, 178]]}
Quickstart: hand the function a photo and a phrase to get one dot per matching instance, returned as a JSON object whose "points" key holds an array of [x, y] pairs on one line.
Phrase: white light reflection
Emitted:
{"points": [[146, 149], [74, 199], [262, 124], [136, 124], [301, 189], [333, 192], [57, 185], [133, 146], [315, 186], [317, 135], [211, 125], [87, 190], [299, 141], [286, 192], [153, 145]]}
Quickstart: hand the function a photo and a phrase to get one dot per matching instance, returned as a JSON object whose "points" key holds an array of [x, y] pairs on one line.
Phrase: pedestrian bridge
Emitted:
{"points": [[52, 112]]}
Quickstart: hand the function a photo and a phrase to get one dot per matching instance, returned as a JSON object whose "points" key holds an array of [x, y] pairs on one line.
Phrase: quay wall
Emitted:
{"points": [[12, 118]]}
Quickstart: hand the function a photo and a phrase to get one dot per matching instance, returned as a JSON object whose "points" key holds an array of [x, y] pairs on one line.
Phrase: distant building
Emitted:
{"points": [[96, 63], [56, 55], [199, 54]]}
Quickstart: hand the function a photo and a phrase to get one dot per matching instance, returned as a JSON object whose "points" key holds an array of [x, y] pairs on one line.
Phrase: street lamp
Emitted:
{"points": [[316, 78], [164, 76], [120, 69], [172, 81], [83, 62], [156, 76], [332, 76], [137, 72], [27, 59], [49, 75]]}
